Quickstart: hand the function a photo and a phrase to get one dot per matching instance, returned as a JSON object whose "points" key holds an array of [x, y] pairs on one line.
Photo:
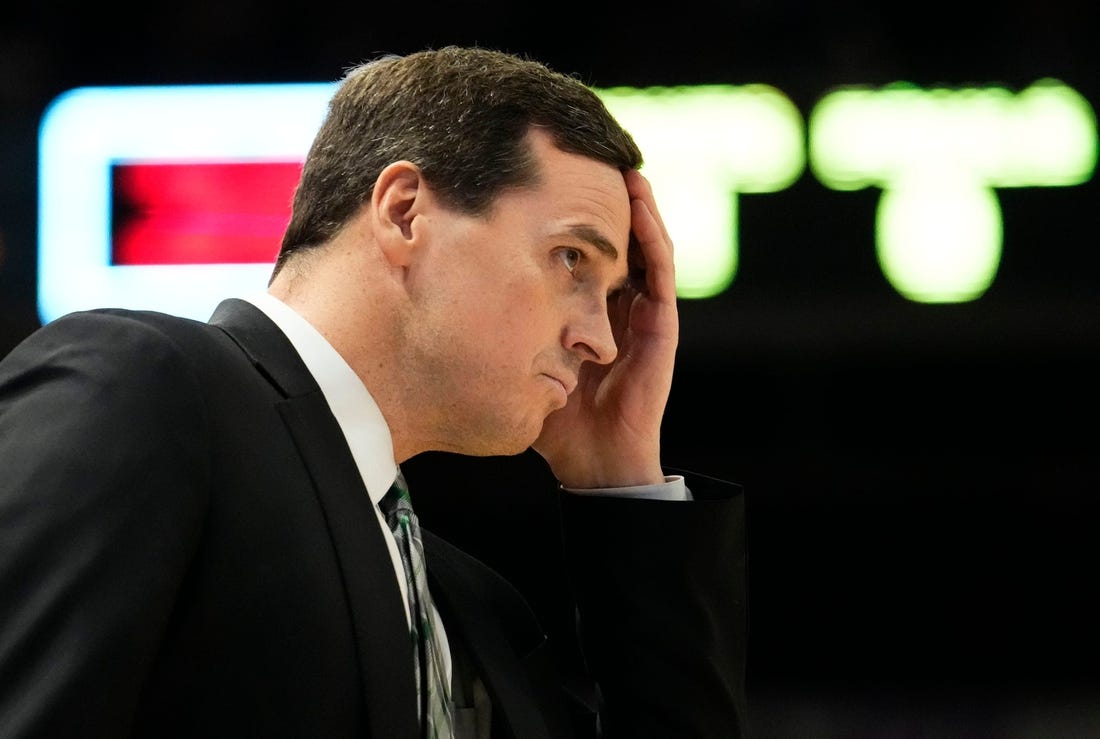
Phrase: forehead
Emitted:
{"points": [[579, 195]]}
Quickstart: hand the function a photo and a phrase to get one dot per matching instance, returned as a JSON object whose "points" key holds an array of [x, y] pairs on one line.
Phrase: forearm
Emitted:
{"points": [[660, 587]]}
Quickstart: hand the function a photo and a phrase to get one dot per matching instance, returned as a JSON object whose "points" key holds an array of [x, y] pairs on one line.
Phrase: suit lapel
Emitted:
{"points": [[503, 638], [374, 599]]}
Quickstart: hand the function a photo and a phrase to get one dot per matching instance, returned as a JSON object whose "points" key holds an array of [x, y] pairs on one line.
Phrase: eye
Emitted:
{"points": [[571, 258]]}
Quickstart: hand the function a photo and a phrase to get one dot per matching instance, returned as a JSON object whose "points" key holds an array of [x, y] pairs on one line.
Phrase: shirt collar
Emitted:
{"points": [[361, 421]]}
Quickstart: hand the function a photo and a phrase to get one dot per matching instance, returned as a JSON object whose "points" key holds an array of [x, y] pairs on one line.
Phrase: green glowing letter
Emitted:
{"points": [[703, 145], [937, 155]]}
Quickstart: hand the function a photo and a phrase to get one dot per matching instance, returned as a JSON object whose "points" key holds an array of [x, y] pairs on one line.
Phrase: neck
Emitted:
{"points": [[363, 327]]}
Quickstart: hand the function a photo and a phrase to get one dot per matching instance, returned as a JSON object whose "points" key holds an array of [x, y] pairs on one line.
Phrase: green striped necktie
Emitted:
{"points": [[434, 707]]}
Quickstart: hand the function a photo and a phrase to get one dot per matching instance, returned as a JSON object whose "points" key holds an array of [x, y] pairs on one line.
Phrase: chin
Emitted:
{"points": [[514, 448], [498, 435], [499, 447]]}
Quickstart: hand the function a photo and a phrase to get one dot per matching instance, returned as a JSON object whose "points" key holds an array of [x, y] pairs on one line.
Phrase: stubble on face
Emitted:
{"points": [[486, 339], [474, 347]]}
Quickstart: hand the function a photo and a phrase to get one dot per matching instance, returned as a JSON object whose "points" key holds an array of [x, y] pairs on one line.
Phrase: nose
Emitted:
{"points": [[589, 333]]}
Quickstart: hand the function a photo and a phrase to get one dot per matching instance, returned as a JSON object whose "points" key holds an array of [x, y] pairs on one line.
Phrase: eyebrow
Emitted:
{"points": [[596, 239], [605, 247]]}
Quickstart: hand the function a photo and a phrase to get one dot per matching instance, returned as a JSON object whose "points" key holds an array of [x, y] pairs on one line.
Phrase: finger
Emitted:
{"points": [[638, 186], [654, 244]]}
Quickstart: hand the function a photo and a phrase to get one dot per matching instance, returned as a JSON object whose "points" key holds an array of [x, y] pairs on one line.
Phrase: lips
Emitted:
{"points": [[567, 384]]}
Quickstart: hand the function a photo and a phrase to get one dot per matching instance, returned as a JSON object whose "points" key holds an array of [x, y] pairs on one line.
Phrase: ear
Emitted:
{"points": [[398, 199]]}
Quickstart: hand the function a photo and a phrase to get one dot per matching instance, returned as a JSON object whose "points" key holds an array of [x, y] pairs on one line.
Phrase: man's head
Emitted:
{"points": [[462, 220], [462, 116]]}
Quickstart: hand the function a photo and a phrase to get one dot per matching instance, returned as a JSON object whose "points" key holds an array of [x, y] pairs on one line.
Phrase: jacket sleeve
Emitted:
{"points": [[104, 469], [660, 589]]}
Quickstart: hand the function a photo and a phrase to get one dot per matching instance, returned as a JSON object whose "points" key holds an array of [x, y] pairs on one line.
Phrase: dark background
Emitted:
{"points": [[921, 479]]}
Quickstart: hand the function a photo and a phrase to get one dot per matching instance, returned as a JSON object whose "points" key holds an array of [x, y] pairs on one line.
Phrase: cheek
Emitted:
{"points": [[513, 338], [504, 306], [504, 335]]}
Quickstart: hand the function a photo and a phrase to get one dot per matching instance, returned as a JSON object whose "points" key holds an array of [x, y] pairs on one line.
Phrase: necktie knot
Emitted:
{"points": [[396, 503]]}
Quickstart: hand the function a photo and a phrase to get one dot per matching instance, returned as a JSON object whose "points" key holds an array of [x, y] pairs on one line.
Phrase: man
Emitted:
{"points": [[192, 538]]}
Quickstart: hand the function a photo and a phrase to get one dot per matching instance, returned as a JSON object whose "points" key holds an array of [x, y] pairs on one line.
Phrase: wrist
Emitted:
{"points": [[619, 476]]}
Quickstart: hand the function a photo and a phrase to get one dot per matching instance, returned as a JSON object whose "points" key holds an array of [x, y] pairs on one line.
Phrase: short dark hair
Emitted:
{"points": [[460, 114]]}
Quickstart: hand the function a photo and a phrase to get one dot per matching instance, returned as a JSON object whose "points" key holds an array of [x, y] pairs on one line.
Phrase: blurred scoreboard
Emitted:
{"points": [[172, 198]]}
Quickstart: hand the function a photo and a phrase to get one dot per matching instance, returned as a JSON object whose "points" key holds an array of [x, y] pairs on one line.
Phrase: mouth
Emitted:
{"points": [[569, 384], [566, 386]]}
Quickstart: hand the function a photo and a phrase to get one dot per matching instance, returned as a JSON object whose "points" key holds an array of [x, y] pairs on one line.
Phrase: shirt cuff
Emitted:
{"points": [[673, 488]]}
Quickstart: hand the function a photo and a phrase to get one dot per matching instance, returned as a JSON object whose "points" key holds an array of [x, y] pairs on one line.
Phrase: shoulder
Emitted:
{"points": [[105, 367], [112, 341], [120, 327]]}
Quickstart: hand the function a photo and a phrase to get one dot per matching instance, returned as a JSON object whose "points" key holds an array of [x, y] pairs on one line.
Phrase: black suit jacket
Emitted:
{"points": [[187, 549]]}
